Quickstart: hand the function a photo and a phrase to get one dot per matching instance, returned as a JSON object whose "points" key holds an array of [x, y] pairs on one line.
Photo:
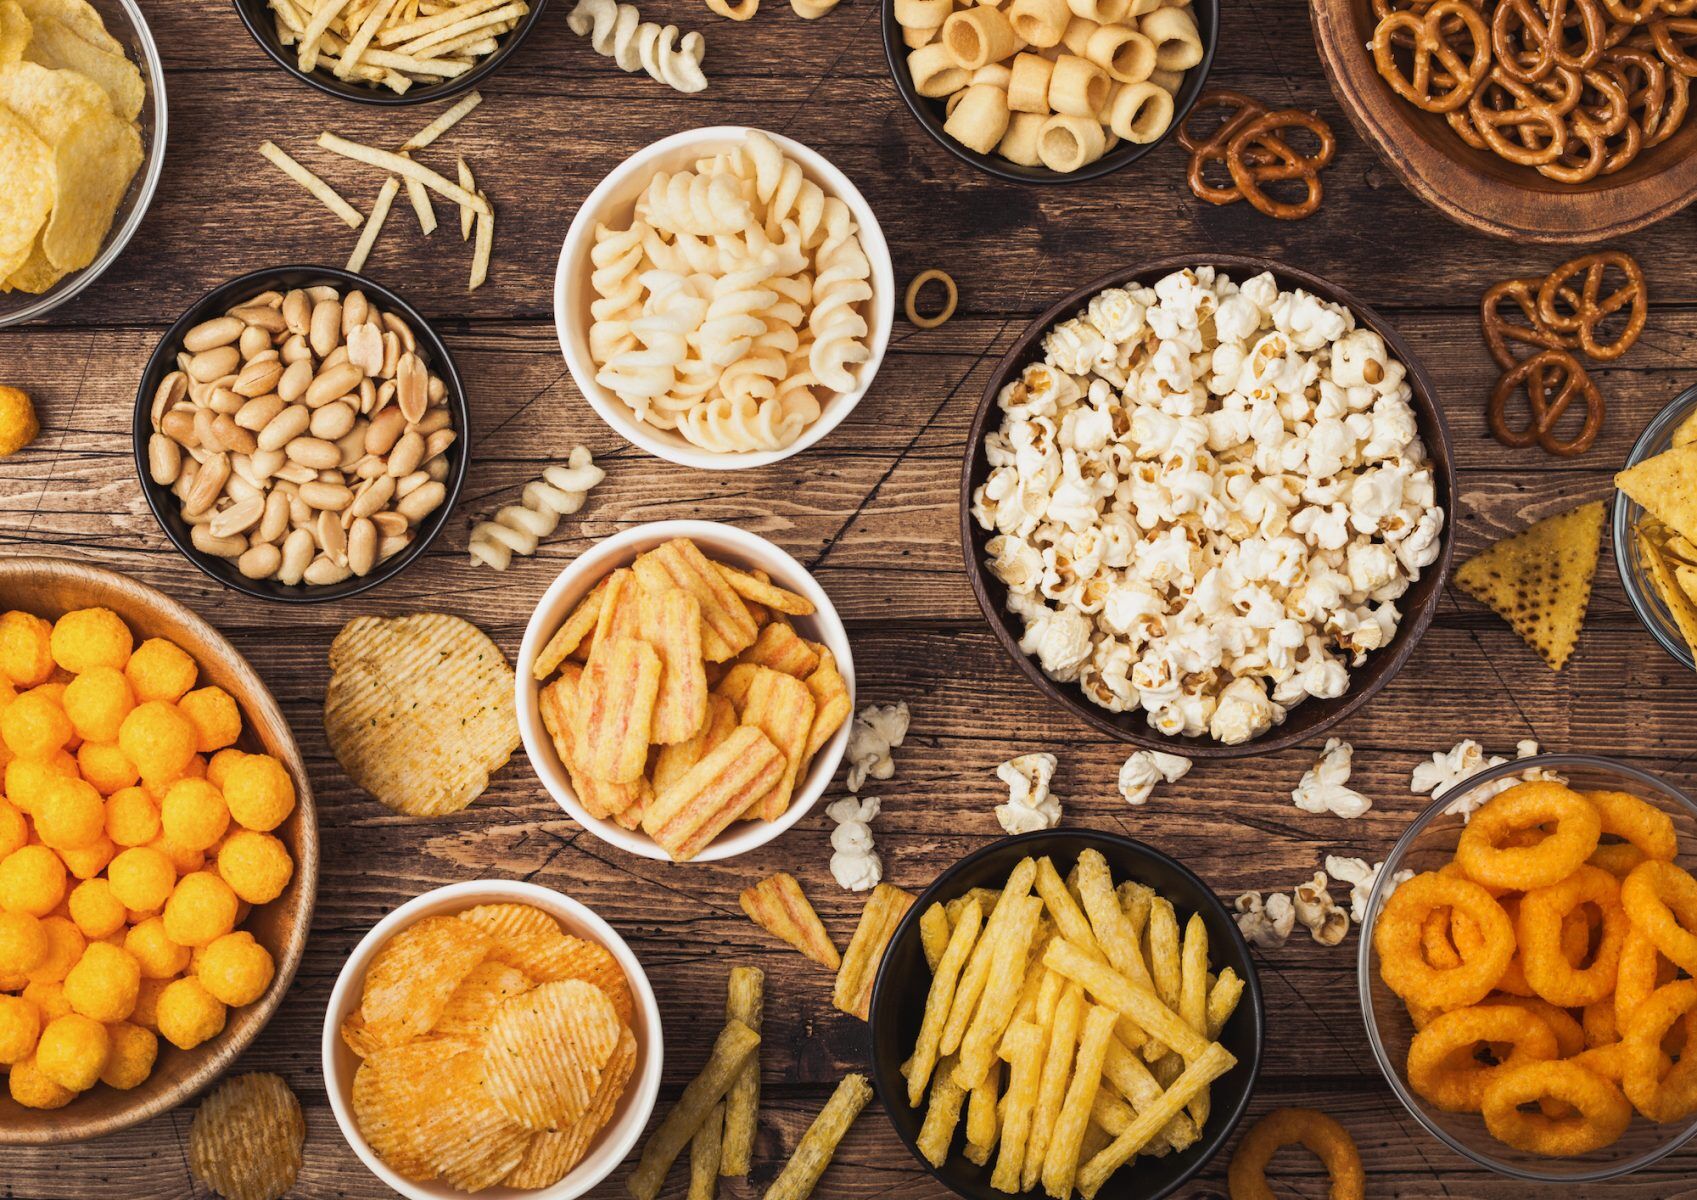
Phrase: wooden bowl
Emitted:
{"points": [[1475, 187], [1419, 604], [49, 587]]}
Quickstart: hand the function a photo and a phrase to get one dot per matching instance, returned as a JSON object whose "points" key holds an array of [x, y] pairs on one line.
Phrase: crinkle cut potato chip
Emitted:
{"points": [[474, 1142], [392, 1093], [529, 939], [413, 976], [546, 1050], [506, 919], [553, 1153], [420, 710], [1539, 580], [473, 1004], [27, 164], [245, 1143]]}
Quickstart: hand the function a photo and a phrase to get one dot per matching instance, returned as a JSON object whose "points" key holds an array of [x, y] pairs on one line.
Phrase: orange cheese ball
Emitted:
{"points": [[193, 814], [14, 830], [218, 770], [72, 1051], [216, 719], [130, 1059], [97, 912], [69, 814], [188, 1014], [160, 670], [23, 943], [106, 767], [259, 792], [35, 725], [158, 739], [48, 998], [91, 637], [97, 702], [141, 878], [32, 880], [20, 1027], [256, 865], [32, 1089], [132, 818], [86, 862], [158, 956], [26, 778], [65, 946], [146, 1012], [104, 982], [183, 860], [235, 969], [201, 908], [26, 651]]}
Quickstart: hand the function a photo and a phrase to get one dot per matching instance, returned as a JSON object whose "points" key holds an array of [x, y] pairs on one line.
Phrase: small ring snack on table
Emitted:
{"points": [[1315, 1131], [1252, 145], [911, 301]]}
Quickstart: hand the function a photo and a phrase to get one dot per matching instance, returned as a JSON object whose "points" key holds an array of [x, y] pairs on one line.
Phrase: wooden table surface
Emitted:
{"points": [[872, 510]]}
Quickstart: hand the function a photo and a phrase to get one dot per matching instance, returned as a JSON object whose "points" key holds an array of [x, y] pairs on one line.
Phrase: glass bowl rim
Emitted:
{"points": [[1644, 603]]}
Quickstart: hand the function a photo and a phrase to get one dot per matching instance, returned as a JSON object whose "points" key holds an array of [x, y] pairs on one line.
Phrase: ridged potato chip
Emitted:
{"points": [[474, 1143], [473, 1004], [529, 939], [414, 974], [553, 1153], [392, 1092], [245, 1143], [546, 1050]]}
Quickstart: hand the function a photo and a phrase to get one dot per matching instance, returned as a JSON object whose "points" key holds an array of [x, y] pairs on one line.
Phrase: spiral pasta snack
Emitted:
{"points": [[520, 528], [617, 31], [734, 302]]}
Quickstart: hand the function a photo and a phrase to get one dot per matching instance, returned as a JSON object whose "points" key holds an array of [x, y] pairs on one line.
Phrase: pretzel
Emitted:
{"points": [[1430, 41], [1491, 115], [1250, 144], [1628, 13], [1586, 309], [1539, 29], [1545, 412], [1676, 39], [1213, 147], [1499, 332]]}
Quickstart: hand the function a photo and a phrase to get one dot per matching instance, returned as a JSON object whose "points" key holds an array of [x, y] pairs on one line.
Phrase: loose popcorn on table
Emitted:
{"points": [[1324, 786], [855, 865], [1267, 925], [1145, 768], [1030, 805], [1206, 501], [1361, 877], [1325, 921], [1463, 761], [877, 729]]}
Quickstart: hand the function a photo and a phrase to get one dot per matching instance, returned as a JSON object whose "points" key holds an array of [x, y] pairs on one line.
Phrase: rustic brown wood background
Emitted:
{"points": [[872, 510]]}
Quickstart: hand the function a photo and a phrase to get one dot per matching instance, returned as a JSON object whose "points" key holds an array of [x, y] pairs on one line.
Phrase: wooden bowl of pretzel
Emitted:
{"points": [[1556, 121]]}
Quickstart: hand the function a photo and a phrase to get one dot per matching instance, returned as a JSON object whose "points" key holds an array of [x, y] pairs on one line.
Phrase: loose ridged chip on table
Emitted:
{"points": [[546, 1050], [531, 940], [420, 710], [413, 976], [553, 1153], [245, 1143]]}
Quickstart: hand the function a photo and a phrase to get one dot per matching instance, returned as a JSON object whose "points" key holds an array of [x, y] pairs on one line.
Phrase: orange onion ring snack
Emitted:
{"points": [[1662, 901], [1482, 853], [1442, 1063], [1662, 1096], [1603, 1112], [1549, 970], [1404, 968], [1307, 1127]]}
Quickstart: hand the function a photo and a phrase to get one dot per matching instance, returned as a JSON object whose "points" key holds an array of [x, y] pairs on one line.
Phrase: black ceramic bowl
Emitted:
{"points": [[165, 506], [1418, 605], [898, 1005], [930, 113], [256, 15]]}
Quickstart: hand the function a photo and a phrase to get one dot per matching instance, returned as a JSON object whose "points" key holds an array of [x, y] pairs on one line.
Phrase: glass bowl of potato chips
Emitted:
{"points": [[82, 144], [1655, 528]]}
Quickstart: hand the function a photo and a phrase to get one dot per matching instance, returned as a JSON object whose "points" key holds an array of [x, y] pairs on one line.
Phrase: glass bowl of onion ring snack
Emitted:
{"points": [[1526, 966], [1637, 537]]}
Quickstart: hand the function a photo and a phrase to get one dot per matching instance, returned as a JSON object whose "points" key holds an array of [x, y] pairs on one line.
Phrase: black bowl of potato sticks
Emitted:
{"points": [[402, 54], [439, 471], [1066, 1013]]}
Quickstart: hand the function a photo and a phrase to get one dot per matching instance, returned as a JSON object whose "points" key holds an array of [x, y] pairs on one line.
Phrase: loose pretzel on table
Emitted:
{"points": [[1581, 313], [1532, 373], [1251, 144]]}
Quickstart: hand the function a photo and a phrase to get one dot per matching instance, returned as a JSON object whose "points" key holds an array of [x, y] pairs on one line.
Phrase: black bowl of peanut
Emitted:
{"points": [[300, 434]]}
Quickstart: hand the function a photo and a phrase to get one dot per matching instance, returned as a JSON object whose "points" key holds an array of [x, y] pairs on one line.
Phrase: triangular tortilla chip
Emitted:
{"points": [[1669, 581], [1685, 433], [1539, 580], [1666, 486], [778, 906]]}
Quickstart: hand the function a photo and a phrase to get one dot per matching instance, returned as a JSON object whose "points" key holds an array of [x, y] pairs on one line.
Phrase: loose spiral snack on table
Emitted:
{"points": [[1307, 1127], [617, 31], [734, 302], [520, 528]]}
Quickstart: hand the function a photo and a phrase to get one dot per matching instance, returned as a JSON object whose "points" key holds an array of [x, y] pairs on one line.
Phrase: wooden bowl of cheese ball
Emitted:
{"points": [[1078, 633], [261, 820]]}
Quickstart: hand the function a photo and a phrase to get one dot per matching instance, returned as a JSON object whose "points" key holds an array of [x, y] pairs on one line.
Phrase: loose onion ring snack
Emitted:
{"points": [[1329, 1142]]}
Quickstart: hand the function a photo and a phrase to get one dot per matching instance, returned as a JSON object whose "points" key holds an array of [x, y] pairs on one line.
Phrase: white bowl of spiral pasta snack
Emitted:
{"points": [[732, 348], [734, 548]]}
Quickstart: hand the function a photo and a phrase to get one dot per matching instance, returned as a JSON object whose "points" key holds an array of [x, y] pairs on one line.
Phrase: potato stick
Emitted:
{"points": [[1222, 1002], [704, 1156], [937, 1001], [326, 12], [1069, 918], [1114, 1114], [1029, 991], [942, 1114], [445, 122], [1057, 1068], [1026, 1045], [1121, 994], [1135, 899], [1193, 995], [1114, 933], [1060, 1160], [865, 954], [1096, 1140], [312, 183], [745, 1001], [977, 973], [383, 159], [362, 37], [408, 30], [396, 82], [986, 898], [419, 197], [1212, 1063], [1001, 992], [982, 1126], [484, 245], [934, 932], [733, 1048], [438, 68], [1161, 949], [813, 1154], [439, 41], [374, 226]]}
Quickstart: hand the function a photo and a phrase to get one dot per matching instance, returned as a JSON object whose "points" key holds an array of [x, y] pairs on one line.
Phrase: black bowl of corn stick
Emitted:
{"points": [[1102, 999]]}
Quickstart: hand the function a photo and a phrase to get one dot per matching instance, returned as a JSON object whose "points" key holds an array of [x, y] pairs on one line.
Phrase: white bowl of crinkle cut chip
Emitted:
{"points": [[1206, 505], [724, 298], [493, 1037]]}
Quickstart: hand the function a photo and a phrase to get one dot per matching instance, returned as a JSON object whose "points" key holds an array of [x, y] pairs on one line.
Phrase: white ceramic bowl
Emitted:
{"points": [[731, 545], [621, 1133], [612, 202]]}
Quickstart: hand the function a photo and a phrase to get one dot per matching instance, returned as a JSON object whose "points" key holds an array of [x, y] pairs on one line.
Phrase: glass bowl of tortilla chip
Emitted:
{"points": [[1657, 559], [82, 143]]}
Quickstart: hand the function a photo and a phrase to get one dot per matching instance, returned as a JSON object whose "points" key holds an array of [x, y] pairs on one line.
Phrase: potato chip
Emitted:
{"points": [[531, 941], [57, 45], [246, 1139], [1664, 578], [357, 1037], [617, 616], [81, 17], [419, 710], [758, 587], [414, 974], [507, 919], [831, 701], [15, 33], [557, 702], [727, 627], [546, 1049], [28, 195], [473, 1004], [878, 920], [735, 684], [392, 1092], [779, 906], [1666, 486], [686, 817], [552, 1154], [674, 761], [1685, 433], [615, 710], [473, 1142], [1539, 580], [670, 621], [782, 649], [568, 637], [781, 707]]}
